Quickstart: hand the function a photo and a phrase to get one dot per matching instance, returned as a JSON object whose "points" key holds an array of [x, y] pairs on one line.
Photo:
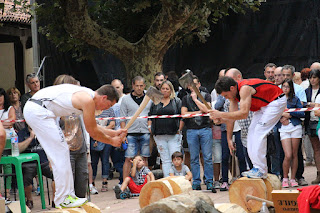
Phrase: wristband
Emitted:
{"points": [[149, 126]]}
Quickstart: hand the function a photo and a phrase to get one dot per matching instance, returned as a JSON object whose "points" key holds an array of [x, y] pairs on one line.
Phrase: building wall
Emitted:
{"points": [[7, 65], [28, 64]]}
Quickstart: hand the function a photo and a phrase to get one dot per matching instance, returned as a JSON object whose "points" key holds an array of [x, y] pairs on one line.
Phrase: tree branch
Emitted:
{"points": [[167, 23], [79, 24]]}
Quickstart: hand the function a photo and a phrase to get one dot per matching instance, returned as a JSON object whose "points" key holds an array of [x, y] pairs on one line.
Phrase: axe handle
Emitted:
{"points": [[143, 105], [250, 197], [200, 96]]}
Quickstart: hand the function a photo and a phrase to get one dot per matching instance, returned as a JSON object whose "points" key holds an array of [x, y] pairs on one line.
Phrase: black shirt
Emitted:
{"points": [[200, 121], [166, 126], [137, 99], [34, 146]]}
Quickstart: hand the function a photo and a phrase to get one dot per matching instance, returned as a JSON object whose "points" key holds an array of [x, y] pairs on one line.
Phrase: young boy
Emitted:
{"points": [[140, 175], [179, 169]]}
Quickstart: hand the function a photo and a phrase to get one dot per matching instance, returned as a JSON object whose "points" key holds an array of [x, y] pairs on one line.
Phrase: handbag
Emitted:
{"points": [[99, 147]]}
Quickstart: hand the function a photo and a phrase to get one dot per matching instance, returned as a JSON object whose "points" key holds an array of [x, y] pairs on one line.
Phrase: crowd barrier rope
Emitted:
{"points": [[181, 116]]}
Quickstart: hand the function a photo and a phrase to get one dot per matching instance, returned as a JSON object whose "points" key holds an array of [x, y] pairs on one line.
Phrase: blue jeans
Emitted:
{"points": [[197, 138], [167, 145], [117, 158], [138, 142], [226, 154], [217, 151], [276, 162], [104, 156]]}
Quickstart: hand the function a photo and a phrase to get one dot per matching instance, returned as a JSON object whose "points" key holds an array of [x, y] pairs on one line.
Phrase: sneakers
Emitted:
{"points": [[38, 191], [224, 187], [196, 187], [210, 187], [71, 202], [245, 174], [104, 186], [117, 191], [293, 183], [302, 182], [216, 184], [93, 190], [124, 195], [285, 183], [256, 173]]}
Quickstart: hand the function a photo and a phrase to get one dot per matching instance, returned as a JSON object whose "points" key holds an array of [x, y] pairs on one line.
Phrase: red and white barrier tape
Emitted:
{"points": [[182, 116]]}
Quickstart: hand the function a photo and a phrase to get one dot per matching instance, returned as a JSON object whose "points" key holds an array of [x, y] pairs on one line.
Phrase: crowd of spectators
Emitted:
{"points": [[180, 144]]}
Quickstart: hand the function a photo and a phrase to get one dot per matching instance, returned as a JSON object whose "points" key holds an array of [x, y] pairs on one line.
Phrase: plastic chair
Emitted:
{"points": [[17, 162]]}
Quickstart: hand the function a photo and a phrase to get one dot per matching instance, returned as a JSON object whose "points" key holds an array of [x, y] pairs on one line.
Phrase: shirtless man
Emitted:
{"points": [[268, 103], [41, 113]]}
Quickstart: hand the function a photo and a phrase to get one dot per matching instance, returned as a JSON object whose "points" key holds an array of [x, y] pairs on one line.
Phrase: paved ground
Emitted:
{"points": [[108, 203]]}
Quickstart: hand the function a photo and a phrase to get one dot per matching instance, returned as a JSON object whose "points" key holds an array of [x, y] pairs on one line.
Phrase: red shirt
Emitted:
{"points": [[266, 92]]}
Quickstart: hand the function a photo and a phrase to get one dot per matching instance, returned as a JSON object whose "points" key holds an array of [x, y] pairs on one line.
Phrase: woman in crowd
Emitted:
{"points": [[311, 120], [290, 129], [7, 113], [166, 132], [14, 96], [99, 150]]}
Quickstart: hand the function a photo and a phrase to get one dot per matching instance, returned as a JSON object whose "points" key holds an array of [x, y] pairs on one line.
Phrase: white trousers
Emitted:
{"points": [[262, 123], [43, 123]]}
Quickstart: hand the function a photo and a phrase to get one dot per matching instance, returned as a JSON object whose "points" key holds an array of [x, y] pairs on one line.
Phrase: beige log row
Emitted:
{"points": [[85, 208], [162, 188], [182, 203], [260, 188]]}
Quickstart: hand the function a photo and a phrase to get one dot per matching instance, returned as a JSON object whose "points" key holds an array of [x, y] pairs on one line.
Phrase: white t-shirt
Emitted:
{"points": [[313, 100]]}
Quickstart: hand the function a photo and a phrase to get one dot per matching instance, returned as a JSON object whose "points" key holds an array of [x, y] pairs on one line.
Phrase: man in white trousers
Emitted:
{"points": [[266, 100], [41, 113]]}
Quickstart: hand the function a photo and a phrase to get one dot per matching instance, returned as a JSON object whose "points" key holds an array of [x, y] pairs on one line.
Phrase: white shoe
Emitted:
{"points": [[71, 202], [93, 190]]}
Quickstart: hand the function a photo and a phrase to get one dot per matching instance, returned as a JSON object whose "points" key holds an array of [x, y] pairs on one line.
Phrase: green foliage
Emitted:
{"points": [[131, 19]]}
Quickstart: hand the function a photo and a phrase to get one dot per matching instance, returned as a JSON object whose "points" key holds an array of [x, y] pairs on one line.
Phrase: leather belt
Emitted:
{"points": [[39, 102]]}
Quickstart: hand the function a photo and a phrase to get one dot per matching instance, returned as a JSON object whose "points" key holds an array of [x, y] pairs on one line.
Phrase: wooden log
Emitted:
{"points": [[229, 208], [272, 183], [162, 188], [244, 186], [182, 203], [91, 208]]}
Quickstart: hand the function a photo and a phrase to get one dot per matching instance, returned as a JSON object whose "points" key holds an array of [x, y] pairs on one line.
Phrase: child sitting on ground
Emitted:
{"points": [[140, 175], [178, 168]]}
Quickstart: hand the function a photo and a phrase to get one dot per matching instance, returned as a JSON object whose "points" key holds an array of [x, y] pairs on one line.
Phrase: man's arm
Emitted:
{"points": [[24, 144], [201, 106], [2, 139], [246, 93], [84, 102], [151, 176]]}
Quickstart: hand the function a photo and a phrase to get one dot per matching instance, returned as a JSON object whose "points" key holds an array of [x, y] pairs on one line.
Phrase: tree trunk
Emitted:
{"points": [[144, 65]]}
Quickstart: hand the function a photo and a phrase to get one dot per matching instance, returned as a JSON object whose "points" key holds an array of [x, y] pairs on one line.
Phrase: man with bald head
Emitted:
{"points": [[315, 65], [278, 76]]}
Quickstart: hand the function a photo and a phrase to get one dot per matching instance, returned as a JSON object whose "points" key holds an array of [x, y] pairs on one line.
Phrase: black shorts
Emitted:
{"points": [[29, 171], [312, 129]]}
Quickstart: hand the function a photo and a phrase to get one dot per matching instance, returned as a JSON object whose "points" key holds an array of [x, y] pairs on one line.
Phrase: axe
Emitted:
{"points": [[153, 94], [251, 197], [187, 80]]}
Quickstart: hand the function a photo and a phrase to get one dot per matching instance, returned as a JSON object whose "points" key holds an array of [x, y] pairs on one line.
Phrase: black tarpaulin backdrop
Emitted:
{"points": [[282, 32]]}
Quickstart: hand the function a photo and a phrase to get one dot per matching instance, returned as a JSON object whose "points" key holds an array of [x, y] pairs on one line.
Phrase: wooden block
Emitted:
{"points": [[15, 207], [285, 200], [244, 186], [229, 208], [91, 208], [2, 205]]}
